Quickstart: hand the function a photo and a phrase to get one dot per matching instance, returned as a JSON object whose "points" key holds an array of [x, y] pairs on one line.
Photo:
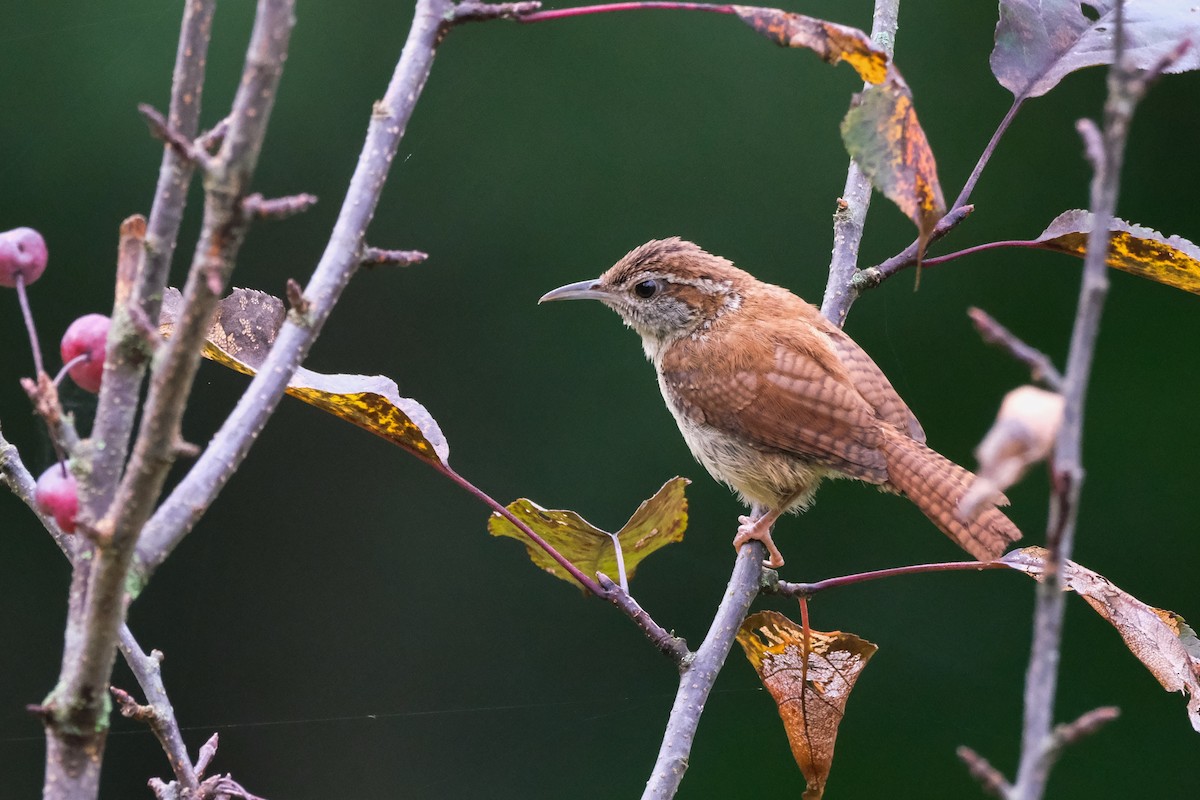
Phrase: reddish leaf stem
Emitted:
{"points": [[603, 8], [802, 590], [494, 504], [982, 248]]}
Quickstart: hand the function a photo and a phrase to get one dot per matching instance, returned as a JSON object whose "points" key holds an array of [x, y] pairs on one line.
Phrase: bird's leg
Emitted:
{"points": [[757, 526]]}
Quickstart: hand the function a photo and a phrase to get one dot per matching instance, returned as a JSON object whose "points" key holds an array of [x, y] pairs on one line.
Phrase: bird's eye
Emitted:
{"points": [[646, 289]]}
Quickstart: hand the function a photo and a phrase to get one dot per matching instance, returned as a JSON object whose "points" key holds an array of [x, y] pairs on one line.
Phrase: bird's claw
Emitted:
{"points": [[749, 529]]}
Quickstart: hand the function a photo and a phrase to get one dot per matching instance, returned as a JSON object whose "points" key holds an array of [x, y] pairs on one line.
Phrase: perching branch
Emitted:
{"points": [[699, 676]]}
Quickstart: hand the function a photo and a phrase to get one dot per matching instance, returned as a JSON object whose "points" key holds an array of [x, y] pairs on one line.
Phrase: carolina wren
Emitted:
{"points": [[772, 398]]}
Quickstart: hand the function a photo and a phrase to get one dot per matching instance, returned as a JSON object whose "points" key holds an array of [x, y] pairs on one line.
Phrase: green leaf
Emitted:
{"points": [[657, 522]]}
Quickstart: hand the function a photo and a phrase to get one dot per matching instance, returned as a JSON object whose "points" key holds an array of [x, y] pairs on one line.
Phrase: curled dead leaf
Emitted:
{"points": [[1022, 435], [659, 521], [810, 678], [831, 41], [1160, 639], [240, 337]]}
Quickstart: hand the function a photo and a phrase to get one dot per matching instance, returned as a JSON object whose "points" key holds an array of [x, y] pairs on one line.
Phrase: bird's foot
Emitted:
{"points": [[752, 529]]}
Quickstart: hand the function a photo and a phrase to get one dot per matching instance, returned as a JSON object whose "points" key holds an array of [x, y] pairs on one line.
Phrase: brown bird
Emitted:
{"points": [[772, 398]]}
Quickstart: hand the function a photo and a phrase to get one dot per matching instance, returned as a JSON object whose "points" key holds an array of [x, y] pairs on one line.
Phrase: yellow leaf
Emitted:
{"points": [[810, 679], [657, 522], [831, 41], [240, 336], [1141, 251], [1160, 639]]}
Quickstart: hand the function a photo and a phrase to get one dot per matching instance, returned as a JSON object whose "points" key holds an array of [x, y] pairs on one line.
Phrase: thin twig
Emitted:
{"points": [[991, 780], [375, 257], [670, 645], [992, 332], [183, 146], [277, 208], [700, 675], [159, 714]]}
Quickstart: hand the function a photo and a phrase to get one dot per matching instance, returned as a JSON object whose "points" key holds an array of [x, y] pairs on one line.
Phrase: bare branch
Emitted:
{"points": [[992, 332]]}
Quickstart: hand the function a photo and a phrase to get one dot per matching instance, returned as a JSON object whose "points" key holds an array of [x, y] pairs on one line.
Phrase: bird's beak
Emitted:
{"points": [[582, 290]]}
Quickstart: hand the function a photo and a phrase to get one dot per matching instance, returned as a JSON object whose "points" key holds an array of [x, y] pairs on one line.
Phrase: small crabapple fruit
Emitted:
{"points": [[22, 252], [57, 494], [86, 336]]}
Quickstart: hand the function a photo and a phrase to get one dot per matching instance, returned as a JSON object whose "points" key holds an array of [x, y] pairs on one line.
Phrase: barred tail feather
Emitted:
{"points": [[936, 485]]}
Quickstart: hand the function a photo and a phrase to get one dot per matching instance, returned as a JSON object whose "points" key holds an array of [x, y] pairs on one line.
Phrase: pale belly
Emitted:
{"points": [[765, 478]]}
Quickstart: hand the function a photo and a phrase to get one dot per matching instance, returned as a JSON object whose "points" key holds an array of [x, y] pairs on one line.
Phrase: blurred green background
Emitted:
{"points": [[341, 616]]}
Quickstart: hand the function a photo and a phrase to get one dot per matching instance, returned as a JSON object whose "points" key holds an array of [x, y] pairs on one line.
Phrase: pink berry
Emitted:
{"points": [[57, 495], [86, 336], [22, 252]]}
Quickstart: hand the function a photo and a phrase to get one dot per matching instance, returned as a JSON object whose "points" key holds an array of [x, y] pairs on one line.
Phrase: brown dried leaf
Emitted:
{"points": [[883, 136], [1173, 260], [240, 336], [1022, 435], [1160, 639], [831, 41], [810, 681], [658, 522], [1039, 42]]}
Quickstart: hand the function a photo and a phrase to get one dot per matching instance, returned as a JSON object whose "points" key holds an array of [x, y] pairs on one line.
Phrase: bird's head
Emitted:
{"points": [[665, 290]]}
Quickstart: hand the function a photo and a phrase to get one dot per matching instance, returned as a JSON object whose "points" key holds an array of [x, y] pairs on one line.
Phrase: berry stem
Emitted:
{"points": [[23, 299], [62, 373]]}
